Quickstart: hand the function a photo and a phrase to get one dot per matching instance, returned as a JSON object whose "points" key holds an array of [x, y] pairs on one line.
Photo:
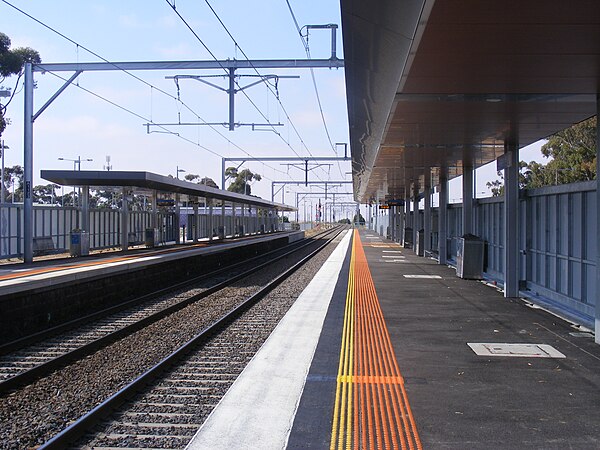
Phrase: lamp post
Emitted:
{"points": [[179, 170], [76, 166]]}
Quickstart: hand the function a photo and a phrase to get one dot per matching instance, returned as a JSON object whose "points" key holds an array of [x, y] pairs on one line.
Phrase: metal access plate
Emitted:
{"points": [[516, 350]]}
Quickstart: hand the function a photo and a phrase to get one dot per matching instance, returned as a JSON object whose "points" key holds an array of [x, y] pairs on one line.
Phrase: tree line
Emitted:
{"points": [[571, 155]]}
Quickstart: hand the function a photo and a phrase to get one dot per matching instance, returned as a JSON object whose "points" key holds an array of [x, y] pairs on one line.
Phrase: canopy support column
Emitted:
{"points": [[154, 216], [196, 221], [467, 195], [511, 219], [85, 209], [427, 216], [125, 220], [178, 221], [223, 224], [416, 223], [233, 220], [211, 223], [443, 218], [243, 226]]}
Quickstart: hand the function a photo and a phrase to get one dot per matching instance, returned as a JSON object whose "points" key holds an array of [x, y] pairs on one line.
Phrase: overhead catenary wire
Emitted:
{"points": [[116, 66], [139, 116], [185, 22], [189, 27], [237, 45], [314, 80]]}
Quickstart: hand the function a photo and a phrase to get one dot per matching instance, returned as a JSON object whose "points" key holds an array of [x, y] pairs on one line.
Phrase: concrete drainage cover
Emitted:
{"points": [[516, 350]]}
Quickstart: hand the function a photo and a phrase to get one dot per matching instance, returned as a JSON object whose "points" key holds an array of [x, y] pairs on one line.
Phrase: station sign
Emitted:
{"points": [[397, 202], [384, 206]]}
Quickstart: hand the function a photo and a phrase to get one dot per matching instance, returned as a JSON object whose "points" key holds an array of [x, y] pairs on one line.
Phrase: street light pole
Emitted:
{"points": [[76, 166]]}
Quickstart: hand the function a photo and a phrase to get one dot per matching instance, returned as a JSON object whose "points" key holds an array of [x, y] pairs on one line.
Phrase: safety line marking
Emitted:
{"points": [[69, 266], [371, 409]]}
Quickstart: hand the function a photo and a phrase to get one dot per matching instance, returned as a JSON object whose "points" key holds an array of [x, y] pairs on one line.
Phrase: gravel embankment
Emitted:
{"points": [[34, 414]]}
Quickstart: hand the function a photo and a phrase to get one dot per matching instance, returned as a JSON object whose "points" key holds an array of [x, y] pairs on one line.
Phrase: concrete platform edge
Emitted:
{"points": [[258, 410]]}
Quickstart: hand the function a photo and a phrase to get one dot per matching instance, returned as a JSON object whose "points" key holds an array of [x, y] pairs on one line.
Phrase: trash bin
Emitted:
{"points": [[241, 230], [151, 237], [469, 257], [221, 232], [80, 243], [421, 243], [408, 236]]}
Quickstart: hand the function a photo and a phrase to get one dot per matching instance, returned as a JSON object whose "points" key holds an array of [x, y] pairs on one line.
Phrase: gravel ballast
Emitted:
{"points": [[34, 414]]}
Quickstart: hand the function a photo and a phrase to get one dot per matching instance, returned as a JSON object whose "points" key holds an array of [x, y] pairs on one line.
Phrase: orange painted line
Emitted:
{"points": [[396, 418], [409, 422], [68, 266], [372, 409], [370, 379], [364, 411], [397, 406], [383, 394], [356, 385]]}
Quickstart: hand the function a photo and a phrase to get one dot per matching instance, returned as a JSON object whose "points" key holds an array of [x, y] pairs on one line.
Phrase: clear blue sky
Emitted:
{"points": [[78, 124]]}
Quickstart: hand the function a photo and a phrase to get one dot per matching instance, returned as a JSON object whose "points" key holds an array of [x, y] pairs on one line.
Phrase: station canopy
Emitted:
{"points": [[147, 182], [446, 83]]}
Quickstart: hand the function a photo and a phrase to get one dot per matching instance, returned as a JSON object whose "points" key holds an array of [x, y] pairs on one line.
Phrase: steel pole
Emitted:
{"points": [[231, 93], [443, 217], [223, 173], [28, 166], [467, 195], [511, 219]]}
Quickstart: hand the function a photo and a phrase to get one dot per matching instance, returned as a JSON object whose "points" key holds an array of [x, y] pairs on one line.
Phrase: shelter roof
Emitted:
{"points": [[437, 84], [147, 181]]}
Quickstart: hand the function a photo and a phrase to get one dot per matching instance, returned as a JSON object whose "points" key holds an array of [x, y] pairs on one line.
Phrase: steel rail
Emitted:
{"points": [[34, 373], [36, 337], [79, 427]]}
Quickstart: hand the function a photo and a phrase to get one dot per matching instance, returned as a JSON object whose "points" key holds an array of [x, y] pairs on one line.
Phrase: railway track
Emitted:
{"points": [[164, 407], [56, 348]]}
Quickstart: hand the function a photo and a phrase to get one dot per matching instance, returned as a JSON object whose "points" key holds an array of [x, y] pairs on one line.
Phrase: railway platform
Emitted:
{"points": [[44, 294], [385, 349]]}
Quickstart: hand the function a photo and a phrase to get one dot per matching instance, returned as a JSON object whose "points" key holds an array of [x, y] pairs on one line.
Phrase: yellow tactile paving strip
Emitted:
{"points": [[371, 408]]}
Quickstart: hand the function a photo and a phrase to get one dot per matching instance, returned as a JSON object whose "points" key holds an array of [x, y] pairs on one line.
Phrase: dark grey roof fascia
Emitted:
{"points": [[148, 180]]}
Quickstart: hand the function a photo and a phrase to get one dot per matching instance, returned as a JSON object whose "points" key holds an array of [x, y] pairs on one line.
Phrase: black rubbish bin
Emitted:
{"points": [[408, 237], [469, 257], [151, 237]]}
